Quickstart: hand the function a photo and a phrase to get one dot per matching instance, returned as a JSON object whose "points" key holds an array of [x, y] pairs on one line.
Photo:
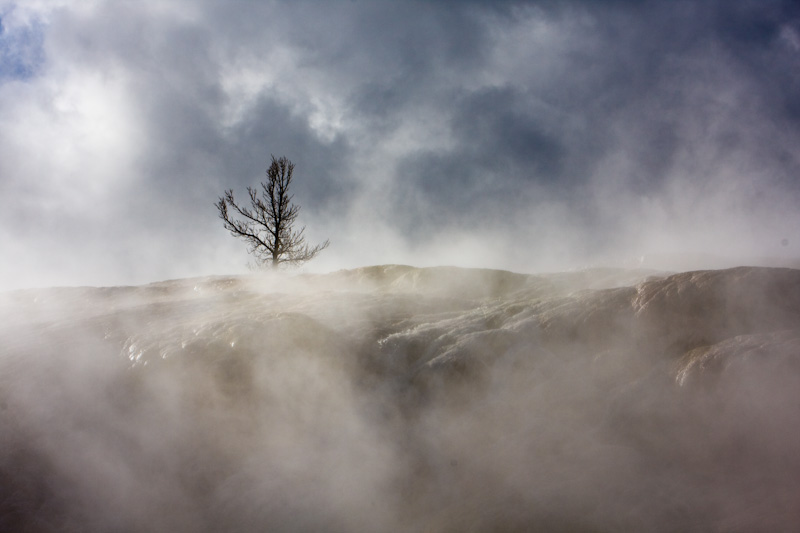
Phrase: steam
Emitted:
{"points": [[395, 399], [523, 136]]}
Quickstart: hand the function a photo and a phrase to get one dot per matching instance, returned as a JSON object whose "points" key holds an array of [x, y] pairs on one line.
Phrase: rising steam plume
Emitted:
{"points": [[403, 399]]}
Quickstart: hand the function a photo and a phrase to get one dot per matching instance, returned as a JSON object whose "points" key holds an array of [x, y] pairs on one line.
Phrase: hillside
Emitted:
{"points": [[394, 398]]}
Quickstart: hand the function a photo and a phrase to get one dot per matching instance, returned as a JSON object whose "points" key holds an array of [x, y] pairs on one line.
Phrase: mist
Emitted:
{"points": [[598, 332], [395, 398]]}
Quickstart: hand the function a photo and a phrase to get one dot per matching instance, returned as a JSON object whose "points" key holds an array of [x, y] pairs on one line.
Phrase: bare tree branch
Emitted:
{"points": [[267, 226]]}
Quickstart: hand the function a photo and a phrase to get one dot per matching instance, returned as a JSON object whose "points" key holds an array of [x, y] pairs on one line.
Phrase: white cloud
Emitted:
{"points": [[555, 132]]}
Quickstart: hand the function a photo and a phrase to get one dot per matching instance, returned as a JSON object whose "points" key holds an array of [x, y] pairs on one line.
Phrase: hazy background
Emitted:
{"points": [[520, 135]]}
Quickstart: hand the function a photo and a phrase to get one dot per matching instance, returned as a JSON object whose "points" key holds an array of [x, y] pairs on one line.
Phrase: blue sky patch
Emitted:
{"points": [[21, 51]]}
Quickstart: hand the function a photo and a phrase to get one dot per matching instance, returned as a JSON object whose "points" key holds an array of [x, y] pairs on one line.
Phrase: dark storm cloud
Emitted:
{"points": [[635, 79], [497, 125], [270, 128], [500, 147], [405, 120]]}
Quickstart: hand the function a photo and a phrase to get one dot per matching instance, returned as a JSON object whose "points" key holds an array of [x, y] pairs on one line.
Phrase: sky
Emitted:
{"points": [[523, 135]]}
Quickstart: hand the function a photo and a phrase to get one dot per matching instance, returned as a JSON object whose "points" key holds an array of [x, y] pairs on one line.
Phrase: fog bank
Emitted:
{"points": [[396, 398]]}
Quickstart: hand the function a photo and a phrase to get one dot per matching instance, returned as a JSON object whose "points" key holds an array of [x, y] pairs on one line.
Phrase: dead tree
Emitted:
{"points": [[268, 226]]}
